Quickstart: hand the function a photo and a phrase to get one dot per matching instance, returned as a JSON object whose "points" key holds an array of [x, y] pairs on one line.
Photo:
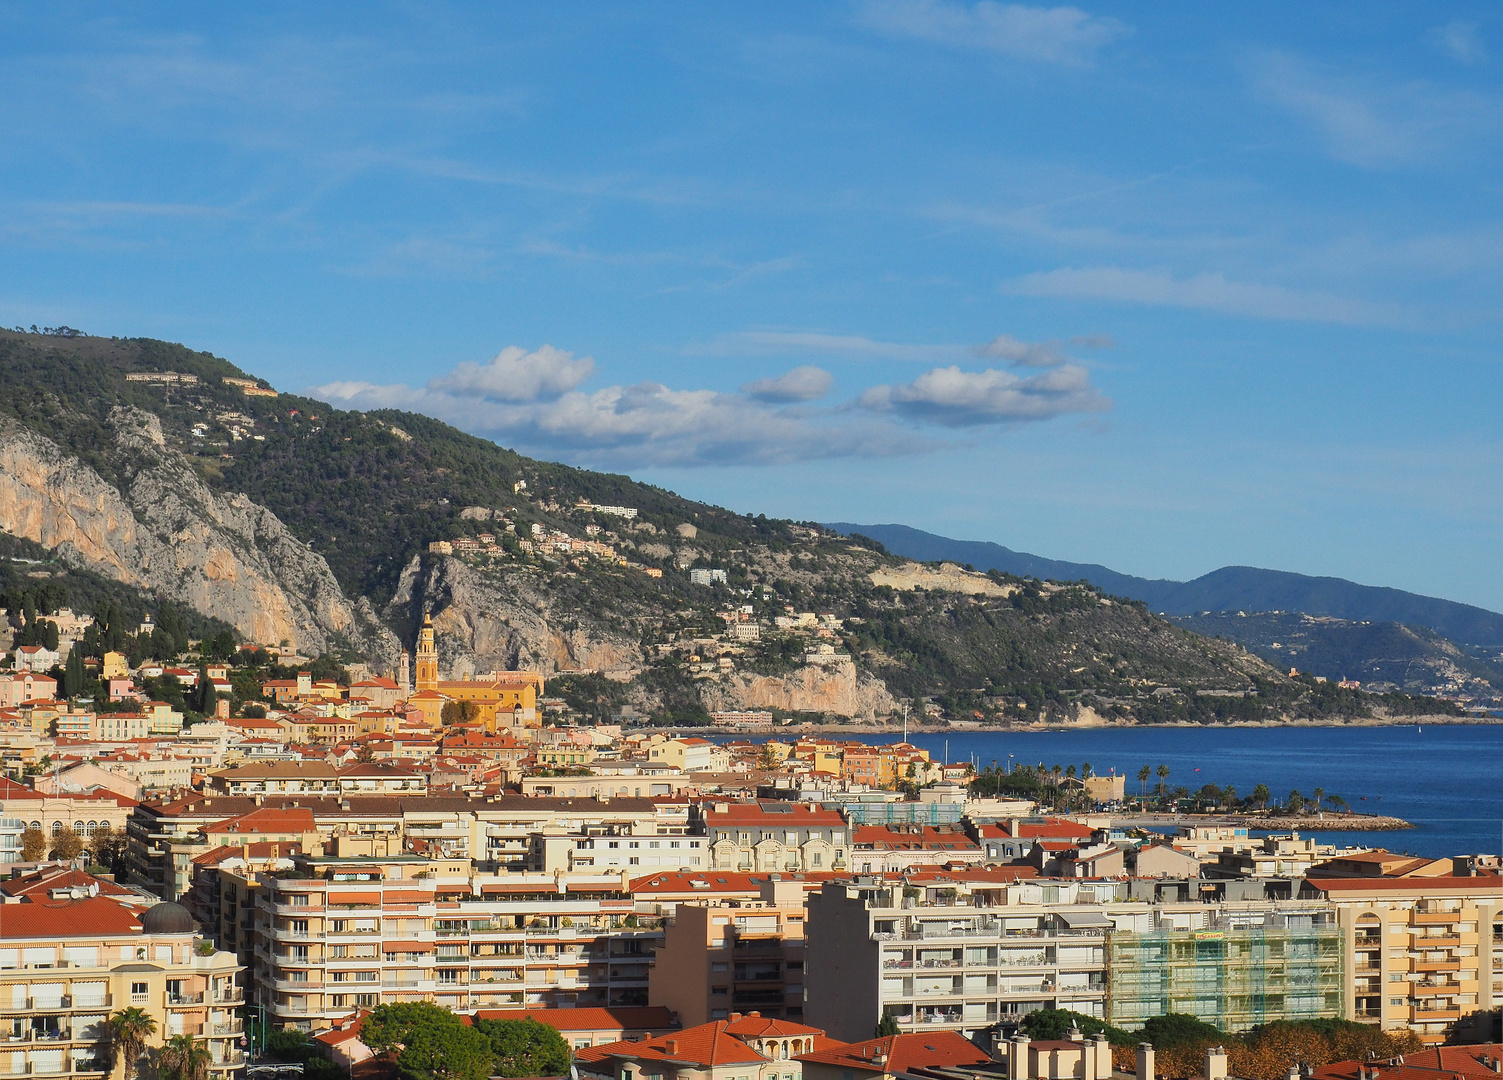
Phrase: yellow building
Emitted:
{"points": [[114, 667], [501, 692], [1424, 953], [75, 949]]}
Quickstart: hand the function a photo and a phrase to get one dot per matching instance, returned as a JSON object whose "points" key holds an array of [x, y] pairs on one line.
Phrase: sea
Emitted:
{"points": [[1447, 779]]}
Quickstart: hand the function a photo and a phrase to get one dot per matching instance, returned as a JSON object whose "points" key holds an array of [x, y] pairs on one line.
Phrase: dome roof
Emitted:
{"points": [[168, 918]]}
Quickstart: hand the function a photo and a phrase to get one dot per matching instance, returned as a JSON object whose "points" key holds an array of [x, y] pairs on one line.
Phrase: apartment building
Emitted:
{"points": [[734, 955], [74, 949], [774, 836], [1426, 952], [355, 929], [969, 955]]}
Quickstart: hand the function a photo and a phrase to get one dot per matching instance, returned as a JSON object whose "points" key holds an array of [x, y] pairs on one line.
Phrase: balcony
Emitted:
{"points": [[1448, 964], [1435, 941], [1433, 1013], [232, 996], [227, 1027], [1434, 918]]}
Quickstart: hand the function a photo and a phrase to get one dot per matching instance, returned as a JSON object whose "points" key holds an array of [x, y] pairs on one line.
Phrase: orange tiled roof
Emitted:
{"points": [[902, 1053], [705, 1046]]}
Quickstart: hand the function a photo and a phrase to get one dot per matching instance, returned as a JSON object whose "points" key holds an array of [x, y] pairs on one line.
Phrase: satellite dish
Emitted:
{"points": [[78, 892]]}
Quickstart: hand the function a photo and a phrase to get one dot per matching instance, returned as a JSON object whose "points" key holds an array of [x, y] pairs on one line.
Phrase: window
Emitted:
{"points": [[634, 860], [719, 967], [818, 859], [139, 991], [614, 844], [720, 991]]}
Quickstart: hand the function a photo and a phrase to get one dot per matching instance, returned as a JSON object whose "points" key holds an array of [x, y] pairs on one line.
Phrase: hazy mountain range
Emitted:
{"points": [[1231, 588]]}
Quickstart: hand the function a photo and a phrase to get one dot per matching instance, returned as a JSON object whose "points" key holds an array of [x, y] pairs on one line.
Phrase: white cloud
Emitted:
{"points": [[1057, 35], [1024, 353], [959, 398], [1208, 292], [515, 374], [530, 400], [1371, 124], [1462, 40], [806, 383]]}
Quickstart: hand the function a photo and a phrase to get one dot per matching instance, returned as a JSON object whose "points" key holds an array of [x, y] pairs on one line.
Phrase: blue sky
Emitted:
{"points": [[1162, 286]]}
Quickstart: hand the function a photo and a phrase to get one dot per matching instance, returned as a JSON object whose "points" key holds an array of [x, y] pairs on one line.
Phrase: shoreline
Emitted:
{"points": [[1326, 822], [857, 728]]}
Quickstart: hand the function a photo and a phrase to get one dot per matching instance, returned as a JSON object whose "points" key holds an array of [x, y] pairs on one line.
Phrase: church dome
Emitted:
{"points": [[168, 918]]}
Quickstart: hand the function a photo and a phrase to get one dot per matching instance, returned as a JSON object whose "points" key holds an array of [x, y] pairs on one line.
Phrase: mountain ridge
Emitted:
{"points": [[202, 485], [1228, 588]]}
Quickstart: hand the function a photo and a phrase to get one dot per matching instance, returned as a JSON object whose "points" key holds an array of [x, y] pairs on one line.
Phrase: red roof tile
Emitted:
{"points": [[705, 1046], [902, 1053]]}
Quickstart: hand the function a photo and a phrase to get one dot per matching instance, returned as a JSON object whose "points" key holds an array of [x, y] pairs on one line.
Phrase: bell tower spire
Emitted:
{"points": [[425, 667]]}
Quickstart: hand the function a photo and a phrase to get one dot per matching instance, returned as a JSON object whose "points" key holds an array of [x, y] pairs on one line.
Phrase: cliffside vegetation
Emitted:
{"points": [[369, 493]]}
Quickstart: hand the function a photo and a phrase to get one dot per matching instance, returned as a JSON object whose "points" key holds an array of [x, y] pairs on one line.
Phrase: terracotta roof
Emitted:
{"points": [[705, 1046], [42, 920], [771, 815], [757, 1026], [636, 1017], [902, 1053], [910, 838], [1050, 828], [1480, 883], [266, 819], [41, 882], [1434, 1063]]}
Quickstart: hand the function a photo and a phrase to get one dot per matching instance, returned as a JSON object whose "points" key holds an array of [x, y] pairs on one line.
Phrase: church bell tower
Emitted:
{"points": [[425, 667]]}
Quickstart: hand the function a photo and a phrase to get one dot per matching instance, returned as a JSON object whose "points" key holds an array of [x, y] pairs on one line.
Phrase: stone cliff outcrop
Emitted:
{"points": [[488, 622], [836, 688], [165, 531]]}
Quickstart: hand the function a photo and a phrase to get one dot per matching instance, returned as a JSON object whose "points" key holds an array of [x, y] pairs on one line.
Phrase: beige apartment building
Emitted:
{"points": [[73, 950], [355, 929], [734, 956], [1426, 952]]}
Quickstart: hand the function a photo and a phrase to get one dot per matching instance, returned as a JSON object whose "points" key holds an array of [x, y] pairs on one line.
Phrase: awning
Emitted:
{"points": [[390, 945], [1084, 920]]}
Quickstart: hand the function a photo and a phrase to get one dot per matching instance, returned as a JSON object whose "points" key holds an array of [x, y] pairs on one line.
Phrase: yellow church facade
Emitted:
{"points": [[504, 698]]}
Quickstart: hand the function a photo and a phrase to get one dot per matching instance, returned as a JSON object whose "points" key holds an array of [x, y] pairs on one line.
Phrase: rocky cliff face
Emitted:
{"points": [[488, 622], [836, 688], [165, 531]]}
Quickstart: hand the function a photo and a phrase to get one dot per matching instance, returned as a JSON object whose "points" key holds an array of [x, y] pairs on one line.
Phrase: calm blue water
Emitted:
{"points": [[1448, 780]]}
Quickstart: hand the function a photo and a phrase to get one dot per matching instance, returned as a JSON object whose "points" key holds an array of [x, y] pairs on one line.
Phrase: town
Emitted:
{"points": [[270, 879]]}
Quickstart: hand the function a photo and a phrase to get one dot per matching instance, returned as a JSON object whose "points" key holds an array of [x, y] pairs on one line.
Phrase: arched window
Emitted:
{"points": [[90, 827], [57, 827], [78, 827], [37, 825]]}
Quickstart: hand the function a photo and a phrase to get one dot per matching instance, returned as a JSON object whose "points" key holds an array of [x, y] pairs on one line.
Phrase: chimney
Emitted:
{"points": [[1017, 1058], [1103, 1056], [1145, 1061], [671, 1046], [1216, 1062], [1294, 1073]]}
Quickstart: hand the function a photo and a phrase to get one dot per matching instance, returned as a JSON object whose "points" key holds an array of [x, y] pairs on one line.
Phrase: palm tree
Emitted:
{"points": [[1163, 774], [129, 1030], [1143, 774], [1085, 771], [1229, 794], [1320, 798], [183, 1058]]}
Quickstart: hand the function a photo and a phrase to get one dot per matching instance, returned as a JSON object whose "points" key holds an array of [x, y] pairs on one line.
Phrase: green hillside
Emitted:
{"points": [[369, 492]]}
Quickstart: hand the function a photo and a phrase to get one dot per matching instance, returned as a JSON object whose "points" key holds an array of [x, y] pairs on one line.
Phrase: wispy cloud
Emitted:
{"points": [[1051, 35], [1461, 40], [820, 342], [1206, 292], [1368, 122]]}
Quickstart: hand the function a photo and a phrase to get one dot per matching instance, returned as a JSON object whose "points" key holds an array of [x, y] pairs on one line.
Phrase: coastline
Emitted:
{"points": [[857, 728]]}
